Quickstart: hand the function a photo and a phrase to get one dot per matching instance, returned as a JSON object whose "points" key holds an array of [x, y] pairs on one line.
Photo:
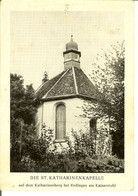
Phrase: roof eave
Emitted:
{"points": [[68, 97], [71, 50]]}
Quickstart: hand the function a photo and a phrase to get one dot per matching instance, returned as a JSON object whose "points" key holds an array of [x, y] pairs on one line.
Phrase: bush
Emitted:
{"points": [[41, 155]]}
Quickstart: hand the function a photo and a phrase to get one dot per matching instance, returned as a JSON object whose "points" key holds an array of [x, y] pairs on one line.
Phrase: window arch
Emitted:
{"points": [[60, 121]]}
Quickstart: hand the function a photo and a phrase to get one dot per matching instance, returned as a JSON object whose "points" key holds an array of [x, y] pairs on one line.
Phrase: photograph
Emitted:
{"points": [[67, 91]]}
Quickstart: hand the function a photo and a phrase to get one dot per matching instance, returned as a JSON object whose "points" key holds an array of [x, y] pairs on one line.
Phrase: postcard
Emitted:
{"points": [[67, 73]]}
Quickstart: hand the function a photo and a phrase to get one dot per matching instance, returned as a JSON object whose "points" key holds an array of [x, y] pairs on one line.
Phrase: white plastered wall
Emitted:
{"points": [[74, 119], [46, 115]]}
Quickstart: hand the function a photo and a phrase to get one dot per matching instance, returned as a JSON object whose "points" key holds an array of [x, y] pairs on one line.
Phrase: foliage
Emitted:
{"points": [[41, 155], [22, 116], [22, 104], [108, 77], [84, 145]]}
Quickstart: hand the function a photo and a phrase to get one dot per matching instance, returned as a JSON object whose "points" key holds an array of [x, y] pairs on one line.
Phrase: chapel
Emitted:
{"points": [[63, 96]]}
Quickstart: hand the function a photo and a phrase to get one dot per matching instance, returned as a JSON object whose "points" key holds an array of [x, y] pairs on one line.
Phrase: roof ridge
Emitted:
{"points": [[75, 82], [56, 83], [85, 85], [91, 82], [87, 77]]}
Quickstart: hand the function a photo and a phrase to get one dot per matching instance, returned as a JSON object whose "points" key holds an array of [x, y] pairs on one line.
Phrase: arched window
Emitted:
{"points": [[93, 126], [60, 121]]}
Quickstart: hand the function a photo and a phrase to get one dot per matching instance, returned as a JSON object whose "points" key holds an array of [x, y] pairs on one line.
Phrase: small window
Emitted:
{"points": [[60, 121], [93, 126], [75, 56], [67, 57]]}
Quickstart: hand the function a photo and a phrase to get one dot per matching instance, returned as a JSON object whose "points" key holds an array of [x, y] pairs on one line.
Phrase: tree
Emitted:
{"points": [[108, 77], [22, 114]]}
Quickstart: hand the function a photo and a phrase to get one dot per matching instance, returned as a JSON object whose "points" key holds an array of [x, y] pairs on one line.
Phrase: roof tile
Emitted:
{"points": [[48, 85], [64, 84], [85, 86]]}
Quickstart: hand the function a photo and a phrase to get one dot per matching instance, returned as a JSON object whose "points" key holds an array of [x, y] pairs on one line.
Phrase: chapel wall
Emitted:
{"points": [[74, 120]]}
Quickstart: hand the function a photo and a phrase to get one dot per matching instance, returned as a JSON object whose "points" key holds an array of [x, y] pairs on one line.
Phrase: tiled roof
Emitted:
{"points": [[72, 82], [47, 86], [85, 86], [65, 86]]}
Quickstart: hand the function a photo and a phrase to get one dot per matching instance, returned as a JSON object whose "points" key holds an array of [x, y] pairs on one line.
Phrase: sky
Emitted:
{"points": [[38, 40]]}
